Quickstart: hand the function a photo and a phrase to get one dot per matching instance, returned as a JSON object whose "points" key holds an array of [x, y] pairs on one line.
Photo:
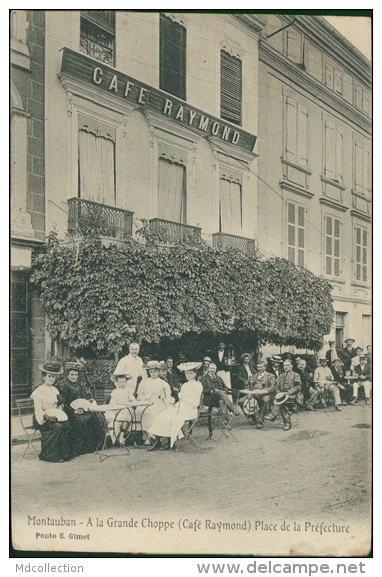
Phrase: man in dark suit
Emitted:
{"points": [[339, 377], [288, 387], [264, 385], [347, 353], [246, 372], [215, 391], [307, 388], [220, 357], [363, 372]]}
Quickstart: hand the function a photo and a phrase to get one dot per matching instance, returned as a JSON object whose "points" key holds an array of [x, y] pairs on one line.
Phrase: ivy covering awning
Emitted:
{"points": [[102, 297]]}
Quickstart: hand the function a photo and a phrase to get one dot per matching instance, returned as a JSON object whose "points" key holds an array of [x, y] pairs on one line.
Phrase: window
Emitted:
{"points": [[332, 246], [96, 161], [296, 132], [230, 87], [361, 254], [362, 169], [296, 234], [172, 57], [97, 35], [333, 152], [294, 46], [333, 78], [230, 204], [172, 192], [361, 99]]}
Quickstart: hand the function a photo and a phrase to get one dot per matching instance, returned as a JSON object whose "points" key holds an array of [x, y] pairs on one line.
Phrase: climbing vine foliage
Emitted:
{"points": [[101, 298]]}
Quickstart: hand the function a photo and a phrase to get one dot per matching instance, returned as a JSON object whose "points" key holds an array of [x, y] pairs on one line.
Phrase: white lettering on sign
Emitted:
{"points": [[203, 123], [215, 128], [192, 116], [128, 87], [167, 107], [114, 83], [179, 115], [142, 96], [97, 75]]}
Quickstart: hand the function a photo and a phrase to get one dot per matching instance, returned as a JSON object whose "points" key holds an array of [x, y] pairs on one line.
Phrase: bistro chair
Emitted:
{"points": [[25, 409]]}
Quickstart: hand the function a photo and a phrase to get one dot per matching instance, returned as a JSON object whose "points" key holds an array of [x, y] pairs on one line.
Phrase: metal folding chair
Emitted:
{"points": [[25, 408]]}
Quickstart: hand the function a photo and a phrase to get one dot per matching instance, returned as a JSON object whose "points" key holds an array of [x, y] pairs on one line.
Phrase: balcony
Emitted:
{"points": [[223, 240], [87, 217], [167, 231]]}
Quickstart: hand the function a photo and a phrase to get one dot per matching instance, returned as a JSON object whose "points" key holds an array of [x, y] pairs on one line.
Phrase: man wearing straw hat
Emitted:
{"points": [[288, 388]]}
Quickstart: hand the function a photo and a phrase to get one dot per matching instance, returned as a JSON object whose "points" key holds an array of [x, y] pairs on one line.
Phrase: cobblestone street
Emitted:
{"points": [[319, 471]]}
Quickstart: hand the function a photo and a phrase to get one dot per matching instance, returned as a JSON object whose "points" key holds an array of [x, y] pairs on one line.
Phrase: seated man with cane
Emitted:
{"points": [[263, 389]]}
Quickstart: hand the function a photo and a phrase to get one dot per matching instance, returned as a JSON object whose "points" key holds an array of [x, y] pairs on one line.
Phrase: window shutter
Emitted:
{"points": [[329, 76], [338, 82], [302, 131], [366, 172], [339, 141], [358, 166], [291, 128], [293, 48], [330, 156], [105, 19], [230, 87], [358, 97], [172, 55]]}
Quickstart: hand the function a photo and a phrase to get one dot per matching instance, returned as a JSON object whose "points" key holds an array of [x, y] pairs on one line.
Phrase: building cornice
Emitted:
{"points": [[333, 204], [253, 21], [282, 65], [284, 184], [325, 36], [361, 215]]}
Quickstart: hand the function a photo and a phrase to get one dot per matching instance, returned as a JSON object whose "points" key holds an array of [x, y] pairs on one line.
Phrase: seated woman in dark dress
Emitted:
{"points": [[88, 427], [50, 419]]}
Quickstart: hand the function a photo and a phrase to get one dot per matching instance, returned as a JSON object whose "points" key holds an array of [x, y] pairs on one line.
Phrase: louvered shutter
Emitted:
{"points": [[230, 87], [172, 54]]}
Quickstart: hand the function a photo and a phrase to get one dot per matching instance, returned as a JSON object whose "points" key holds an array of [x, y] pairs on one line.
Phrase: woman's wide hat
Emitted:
{"points": [[281, 398], [152, 365], [114, 376], [51, 367], [189, 366], [74, 365]]}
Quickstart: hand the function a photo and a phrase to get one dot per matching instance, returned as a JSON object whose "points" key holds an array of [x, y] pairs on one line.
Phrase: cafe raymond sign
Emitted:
{"points": [[110, 80]]}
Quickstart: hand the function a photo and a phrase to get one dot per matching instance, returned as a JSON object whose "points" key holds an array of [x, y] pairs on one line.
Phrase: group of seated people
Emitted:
{"points": [[170, 394]]}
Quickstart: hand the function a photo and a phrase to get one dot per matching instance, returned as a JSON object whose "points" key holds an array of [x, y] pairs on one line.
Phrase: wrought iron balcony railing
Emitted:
{"points": [[87, 216], [224, 240], [96, 50], [168, 231]]}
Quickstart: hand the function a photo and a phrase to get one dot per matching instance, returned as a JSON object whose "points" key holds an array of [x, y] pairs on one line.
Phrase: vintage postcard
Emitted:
{"points": [[191, 233]]}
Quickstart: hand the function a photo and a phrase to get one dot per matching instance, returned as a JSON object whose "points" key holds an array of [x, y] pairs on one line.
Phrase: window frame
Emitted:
{"points": [[336, 155], [300, 145], [297, 208], [363, 262], [100, 26], [333, 238]]}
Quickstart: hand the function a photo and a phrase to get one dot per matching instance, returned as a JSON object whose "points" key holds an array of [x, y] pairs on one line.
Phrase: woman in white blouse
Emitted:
{"points": [[169, 423], [50, 419], [156, 392]]}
